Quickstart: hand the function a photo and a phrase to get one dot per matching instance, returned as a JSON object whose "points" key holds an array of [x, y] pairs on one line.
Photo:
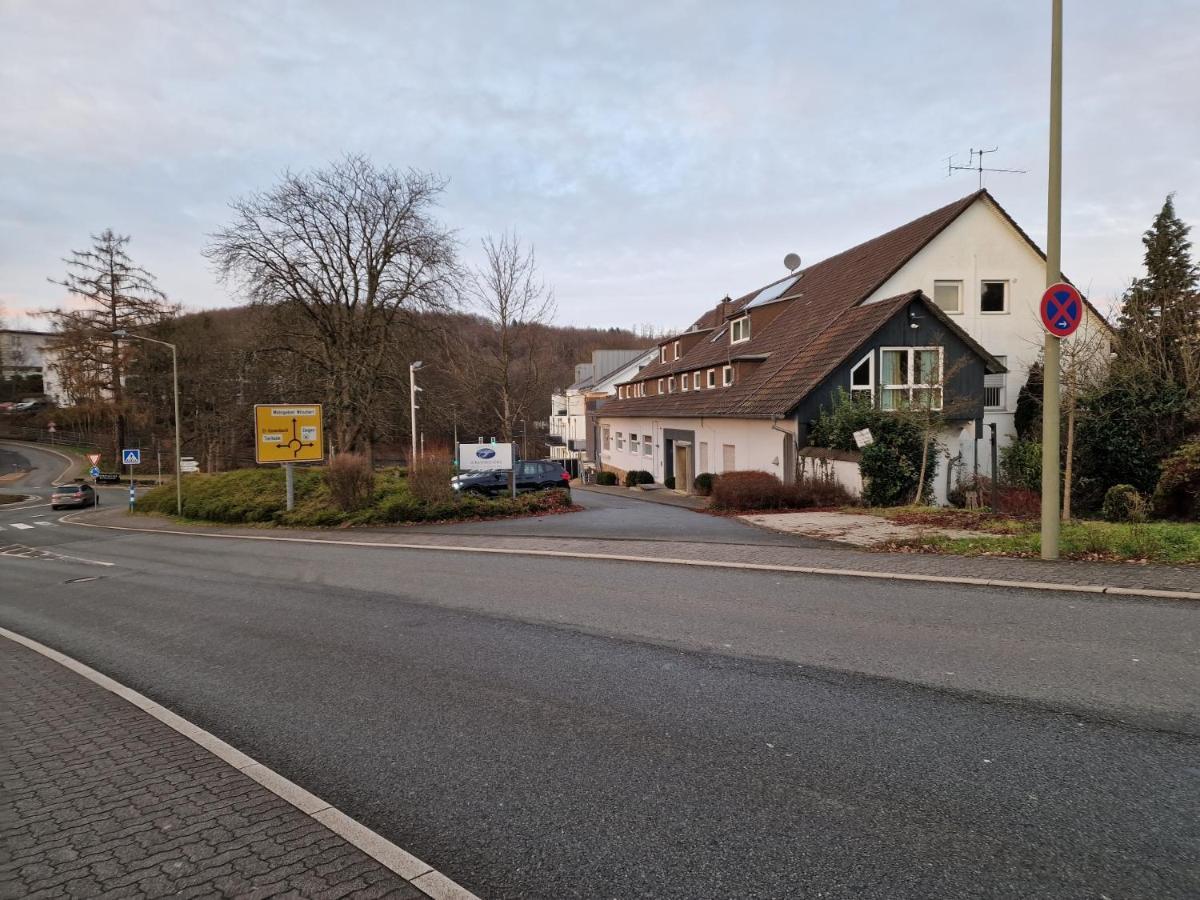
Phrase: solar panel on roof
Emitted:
{"points": [[774, 292]]}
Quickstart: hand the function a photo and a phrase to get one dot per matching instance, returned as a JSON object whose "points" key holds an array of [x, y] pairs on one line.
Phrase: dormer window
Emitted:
{"points": [[739, 330], [662, 351], [677, 353], [660, 385], [726, 376]]}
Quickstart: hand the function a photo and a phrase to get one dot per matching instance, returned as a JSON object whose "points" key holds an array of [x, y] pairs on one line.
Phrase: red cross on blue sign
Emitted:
{"points": [[1062, 309]]}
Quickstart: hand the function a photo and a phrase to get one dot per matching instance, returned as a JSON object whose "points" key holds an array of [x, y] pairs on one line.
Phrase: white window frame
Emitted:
{"points": [[670, 384], [620, 392], [677, 354], [956, 282], [606, 437], [912, 374], [662, 353], [726, 376], [683, 382], [661, 386], [647, 445], [1007, 296], [696, 385], [634, 444], [998, 381], [869, 390], [620, 441], [739, 335], [712, 378]]}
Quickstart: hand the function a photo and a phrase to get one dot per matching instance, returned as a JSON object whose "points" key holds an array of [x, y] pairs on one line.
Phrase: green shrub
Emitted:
{"points": [[1021, 464], [669, 482], [1177, 494], [635, 477], [606, 478], [890, 466], [703, 485], [1123, 503]]}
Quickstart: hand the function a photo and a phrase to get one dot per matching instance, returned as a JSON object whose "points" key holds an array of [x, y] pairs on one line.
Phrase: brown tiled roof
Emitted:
{"points": [[821, 324]]}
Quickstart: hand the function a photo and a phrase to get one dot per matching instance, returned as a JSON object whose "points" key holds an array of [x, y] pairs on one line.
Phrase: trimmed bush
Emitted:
{"points": [[608, 479], [755, 490], [703, 485], [351, 481], [669, 482], [1177, 494], [1123, 503], [635, 477]]}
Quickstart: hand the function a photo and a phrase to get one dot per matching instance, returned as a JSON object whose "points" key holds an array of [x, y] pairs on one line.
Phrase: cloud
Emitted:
{"points": [[658, 155]]}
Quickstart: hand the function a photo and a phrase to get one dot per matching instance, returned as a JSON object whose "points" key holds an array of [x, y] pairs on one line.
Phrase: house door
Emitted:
{"points": [[683, 467]]}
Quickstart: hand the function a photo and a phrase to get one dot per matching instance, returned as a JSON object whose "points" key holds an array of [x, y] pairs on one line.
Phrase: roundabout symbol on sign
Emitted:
{"points": [[1062, 309]]}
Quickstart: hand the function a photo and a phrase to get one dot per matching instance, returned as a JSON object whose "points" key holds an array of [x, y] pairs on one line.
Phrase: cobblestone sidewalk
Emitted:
{"points": [[99, 799]]}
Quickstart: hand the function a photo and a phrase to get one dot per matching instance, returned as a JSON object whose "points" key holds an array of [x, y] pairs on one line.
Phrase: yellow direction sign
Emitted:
{"points": [[284, 434]]}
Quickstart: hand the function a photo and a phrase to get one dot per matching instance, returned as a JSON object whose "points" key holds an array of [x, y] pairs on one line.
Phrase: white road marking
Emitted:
{"points": [[47, 524], [22, 526], [421, 875]]}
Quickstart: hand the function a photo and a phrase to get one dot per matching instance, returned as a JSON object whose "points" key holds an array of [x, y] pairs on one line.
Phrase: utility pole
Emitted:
{"points": [[1051, 352], [412, 402], [122, 334]]}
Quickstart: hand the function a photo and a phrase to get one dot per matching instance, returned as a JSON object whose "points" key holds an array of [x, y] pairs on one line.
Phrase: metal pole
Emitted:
{"points": [[289, 478], [178, 448], [412, 411], [1051, 351]]}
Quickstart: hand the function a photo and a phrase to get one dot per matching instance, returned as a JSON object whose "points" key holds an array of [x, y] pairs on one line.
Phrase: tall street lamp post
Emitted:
{"points": [[122, 334], [412, 402]]}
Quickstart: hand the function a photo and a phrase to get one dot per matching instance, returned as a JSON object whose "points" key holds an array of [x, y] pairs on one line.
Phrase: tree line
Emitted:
{"points": [[348, 276]]}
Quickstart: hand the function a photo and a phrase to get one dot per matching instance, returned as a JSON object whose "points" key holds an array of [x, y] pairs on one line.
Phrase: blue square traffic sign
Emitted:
{"points": [[131, 457]]}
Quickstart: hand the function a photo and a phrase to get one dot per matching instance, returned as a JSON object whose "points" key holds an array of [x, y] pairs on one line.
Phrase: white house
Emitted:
{"points": [[27, 353], [570, 430], [741, 387]]}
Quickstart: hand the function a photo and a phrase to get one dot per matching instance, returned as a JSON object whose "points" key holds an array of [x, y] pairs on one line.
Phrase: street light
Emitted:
{"points": [[412, 401], [122, 334]]}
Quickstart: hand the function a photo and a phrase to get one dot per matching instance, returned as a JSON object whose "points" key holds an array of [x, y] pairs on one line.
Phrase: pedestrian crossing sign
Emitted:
{"points": [[131, 457]]}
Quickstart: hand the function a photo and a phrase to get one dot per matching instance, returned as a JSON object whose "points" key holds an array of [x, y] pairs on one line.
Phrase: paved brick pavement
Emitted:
{"points": [[99, 799], [1066, 572]]}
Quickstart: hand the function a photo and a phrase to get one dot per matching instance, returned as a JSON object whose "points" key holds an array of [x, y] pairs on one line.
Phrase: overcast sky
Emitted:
{"points": [[659, 155]]}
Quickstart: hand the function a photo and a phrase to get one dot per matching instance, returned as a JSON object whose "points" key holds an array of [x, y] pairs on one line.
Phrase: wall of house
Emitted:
{"points": [[756, 445], [981, 245]]}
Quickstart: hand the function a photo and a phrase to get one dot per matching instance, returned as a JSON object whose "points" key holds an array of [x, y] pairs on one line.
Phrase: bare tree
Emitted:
{"points": [[507, 291], [1084, 361], [345, 254], [116, 294]]}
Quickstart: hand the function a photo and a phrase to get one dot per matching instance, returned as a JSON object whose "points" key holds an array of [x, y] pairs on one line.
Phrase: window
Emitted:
{"points": [[910, 376], [695, 381], [647, 445], [739, 330], [620, 392], [726, 376], [620, 441], [862, 378], [683, 381], [606, 436], [671, 384], [662, 353], [993, 297], [728, 458], [660, 385], [948, 295], [677, 350], [994, 393], [712, 378], [634, 446]]}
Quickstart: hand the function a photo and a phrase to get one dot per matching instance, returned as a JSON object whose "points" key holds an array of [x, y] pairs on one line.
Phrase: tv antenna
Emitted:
{"points": [[975, 164]]}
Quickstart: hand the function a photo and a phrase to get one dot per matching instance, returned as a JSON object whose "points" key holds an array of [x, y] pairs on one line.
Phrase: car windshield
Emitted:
{"points": [[68, 489]]}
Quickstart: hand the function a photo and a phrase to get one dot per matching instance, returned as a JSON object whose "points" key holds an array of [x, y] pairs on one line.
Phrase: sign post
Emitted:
{"points": [[288, 435], [1051, 351], [131, 457]]}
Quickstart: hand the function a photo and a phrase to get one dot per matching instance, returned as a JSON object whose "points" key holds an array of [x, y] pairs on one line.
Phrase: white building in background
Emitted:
{"points": [[571, 410], [26, 353]]}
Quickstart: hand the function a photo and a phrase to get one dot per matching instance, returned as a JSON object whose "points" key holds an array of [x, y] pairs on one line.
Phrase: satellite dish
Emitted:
{"points": [[792, 261]]}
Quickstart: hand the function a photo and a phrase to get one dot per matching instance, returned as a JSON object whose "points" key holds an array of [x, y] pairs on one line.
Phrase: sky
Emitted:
{"points": [[658, 156]]}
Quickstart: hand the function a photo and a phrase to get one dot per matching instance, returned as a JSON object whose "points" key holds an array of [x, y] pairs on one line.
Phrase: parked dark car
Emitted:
{"points": [[72, 495], [531, 476]]}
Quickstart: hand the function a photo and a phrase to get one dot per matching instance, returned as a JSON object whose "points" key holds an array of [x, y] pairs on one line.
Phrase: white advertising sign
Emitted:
{"points": [[484, 457]]}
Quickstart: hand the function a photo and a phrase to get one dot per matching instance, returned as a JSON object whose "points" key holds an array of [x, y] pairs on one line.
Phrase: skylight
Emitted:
{"points": [[774, 292]]}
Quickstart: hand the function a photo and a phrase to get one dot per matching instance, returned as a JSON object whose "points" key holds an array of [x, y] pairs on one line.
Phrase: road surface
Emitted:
{"points": [[572, 728]]}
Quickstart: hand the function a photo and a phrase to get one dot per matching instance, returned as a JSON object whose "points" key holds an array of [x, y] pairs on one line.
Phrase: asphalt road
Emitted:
{"points": [[559, 728]]}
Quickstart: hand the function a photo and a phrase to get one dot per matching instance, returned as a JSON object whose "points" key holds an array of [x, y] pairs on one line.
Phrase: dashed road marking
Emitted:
{"points": [[47, 524], [22, 526]]}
